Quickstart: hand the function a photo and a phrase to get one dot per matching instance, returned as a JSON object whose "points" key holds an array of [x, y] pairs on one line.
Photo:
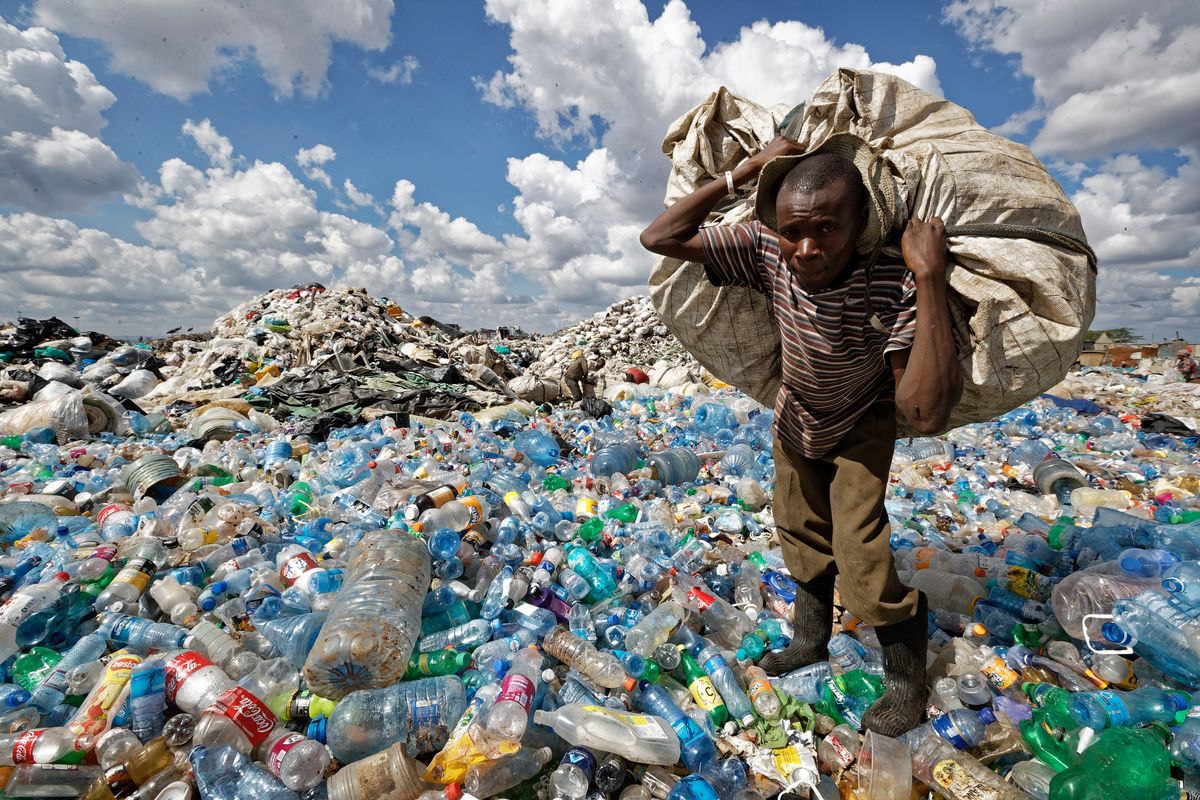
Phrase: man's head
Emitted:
{"points": [[820, 210]]}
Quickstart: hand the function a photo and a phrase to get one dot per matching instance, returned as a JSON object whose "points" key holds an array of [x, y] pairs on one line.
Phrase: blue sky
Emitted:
{"points": [[511, 214]]}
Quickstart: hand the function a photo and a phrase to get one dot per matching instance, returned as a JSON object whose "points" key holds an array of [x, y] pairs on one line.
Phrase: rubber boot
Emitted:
{"points": [[903, 704], [812, 618]]}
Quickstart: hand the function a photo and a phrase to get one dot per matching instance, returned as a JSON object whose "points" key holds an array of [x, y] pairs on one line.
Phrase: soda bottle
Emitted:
{"points": [[510, 715], [703, 691]]}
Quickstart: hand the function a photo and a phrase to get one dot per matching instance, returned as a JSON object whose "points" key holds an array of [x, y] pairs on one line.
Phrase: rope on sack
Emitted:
{"points": [[1032, 232]]}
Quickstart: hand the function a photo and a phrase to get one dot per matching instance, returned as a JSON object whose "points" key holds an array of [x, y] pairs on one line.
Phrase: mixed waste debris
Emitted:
{"points": [[324, 553]]}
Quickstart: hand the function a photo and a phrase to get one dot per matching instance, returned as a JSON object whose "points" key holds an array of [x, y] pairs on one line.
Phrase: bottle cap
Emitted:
{"points": [[316, 729], [454, 791]]}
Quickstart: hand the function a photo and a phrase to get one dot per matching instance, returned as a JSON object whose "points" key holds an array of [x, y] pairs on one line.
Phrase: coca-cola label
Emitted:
{"points": [[518, 689], [280, 750], [247, 712], [22, 751], [296, 566], [702, 598], [180, 668]]}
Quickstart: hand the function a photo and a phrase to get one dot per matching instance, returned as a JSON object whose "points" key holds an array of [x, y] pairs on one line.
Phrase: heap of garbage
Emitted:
{"points": [[208, 592], [626, 334]]}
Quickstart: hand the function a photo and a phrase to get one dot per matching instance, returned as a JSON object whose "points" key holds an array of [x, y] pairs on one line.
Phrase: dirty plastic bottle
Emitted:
{"points": [[144, 555], [223, 773], [604, 669], [389, 773], [370, 631], [642, 738], [418, 713], [571, 779], [491, 778]]}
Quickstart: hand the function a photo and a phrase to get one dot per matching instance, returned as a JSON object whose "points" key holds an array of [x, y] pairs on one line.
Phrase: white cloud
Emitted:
{"points": [[51, 154], [1110, 77], [398, 74], [311, 160], [357, 198], [178, 47], [51, 266], [1107, 75], [218, 148], [614, 81]]}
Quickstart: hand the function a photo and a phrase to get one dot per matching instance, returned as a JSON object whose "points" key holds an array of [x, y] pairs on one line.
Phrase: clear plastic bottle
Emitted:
{"points": [[141, 634], [491, 778], [237, 718], [419, 713], [144, 555], [42, 746], [53, 688], [955, 775], [369, 635], [696, 747], [571, 779], [297, 761], [603, 668], [653, 629], [147, 699], [193, 682], [223, 773], [23, 604], [509, 717], [643, 738]]}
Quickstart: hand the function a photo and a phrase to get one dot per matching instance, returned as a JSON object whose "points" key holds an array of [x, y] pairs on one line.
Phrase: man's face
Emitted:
{"points": [[817, 230]]}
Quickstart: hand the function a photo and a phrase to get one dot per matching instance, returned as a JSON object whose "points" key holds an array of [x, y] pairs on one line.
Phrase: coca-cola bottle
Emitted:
{"points": [[42, 746], [193, 682]]}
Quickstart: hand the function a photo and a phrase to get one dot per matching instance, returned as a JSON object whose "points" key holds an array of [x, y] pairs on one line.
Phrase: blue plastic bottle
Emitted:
{"points": [[696, 748]]}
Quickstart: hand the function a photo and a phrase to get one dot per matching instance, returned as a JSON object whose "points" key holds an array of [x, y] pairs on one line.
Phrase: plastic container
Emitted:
{"points": [[374, 622]]}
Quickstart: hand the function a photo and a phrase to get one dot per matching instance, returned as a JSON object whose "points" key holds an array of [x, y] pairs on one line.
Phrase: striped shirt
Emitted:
{"points": [[834, 359]]}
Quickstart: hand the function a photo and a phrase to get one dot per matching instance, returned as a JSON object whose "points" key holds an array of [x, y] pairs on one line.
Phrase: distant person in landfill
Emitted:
{"points": [[579, 376], [1186, 365], [864, 336]]}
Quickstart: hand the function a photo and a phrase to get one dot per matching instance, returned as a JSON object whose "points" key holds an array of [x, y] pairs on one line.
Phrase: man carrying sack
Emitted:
{"points": [[862, 338]]}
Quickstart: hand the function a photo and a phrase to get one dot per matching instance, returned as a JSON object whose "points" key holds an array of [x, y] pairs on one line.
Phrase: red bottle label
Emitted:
{"points": [[250, 714], [702, 598], [518, 689], [296, 566], [180, 668], [280, 750], [22, 752]]}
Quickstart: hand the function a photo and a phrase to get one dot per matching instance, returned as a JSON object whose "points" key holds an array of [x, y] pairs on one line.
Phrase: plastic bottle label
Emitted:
{"points": [[280, 750], [950, 775], [472, 505], [945, 726], [517, 689], [247, 712], [999, 674], [702, 598], [761, 686], [582, 759], [296, 566], [137, 572], [16, 608], [180, 668], [1114, 708], [22, 750], [647, 729], [788, 760], [705, 694]]}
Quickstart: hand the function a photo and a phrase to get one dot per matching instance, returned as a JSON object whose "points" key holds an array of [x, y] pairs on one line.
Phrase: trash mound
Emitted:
{"points": [[626, 334], [309, 350], [520, 602]]}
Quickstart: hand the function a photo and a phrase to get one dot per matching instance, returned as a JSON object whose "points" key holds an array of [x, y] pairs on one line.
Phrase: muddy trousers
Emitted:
{"points": [[830, 518]]}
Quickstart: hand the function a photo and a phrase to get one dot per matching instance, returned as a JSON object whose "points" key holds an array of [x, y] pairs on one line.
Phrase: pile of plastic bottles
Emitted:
{"points": [[561, 607]]}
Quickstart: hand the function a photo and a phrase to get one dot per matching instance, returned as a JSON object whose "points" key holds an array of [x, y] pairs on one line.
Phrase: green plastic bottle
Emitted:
{"points": [[30, 668], [703, 691], [553, 482], [1121, 764], [444, 662], [626, 512], [847, 697], [591, 530], [1053, 704]]}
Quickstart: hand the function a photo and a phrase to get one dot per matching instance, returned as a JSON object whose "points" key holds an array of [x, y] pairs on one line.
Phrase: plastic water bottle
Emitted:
{"points": [[141, 634], [961, 727], [222, 773], [696, 747], [371, 628], [537, 446], [674, 466], [617, 457], [294, 636], [144, 555], [147, 699], [419, 713], [509, 716], [53, 688], [1109, 709], [24, 604], [571, 779], [1059, 478]]}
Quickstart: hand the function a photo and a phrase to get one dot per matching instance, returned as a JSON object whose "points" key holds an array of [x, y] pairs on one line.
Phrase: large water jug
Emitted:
{"points": [[368, 637], [616, 457], [674, 466]]}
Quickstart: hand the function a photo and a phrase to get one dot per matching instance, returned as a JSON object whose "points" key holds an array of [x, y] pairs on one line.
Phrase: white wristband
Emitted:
{"points": [[729, 182]]}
